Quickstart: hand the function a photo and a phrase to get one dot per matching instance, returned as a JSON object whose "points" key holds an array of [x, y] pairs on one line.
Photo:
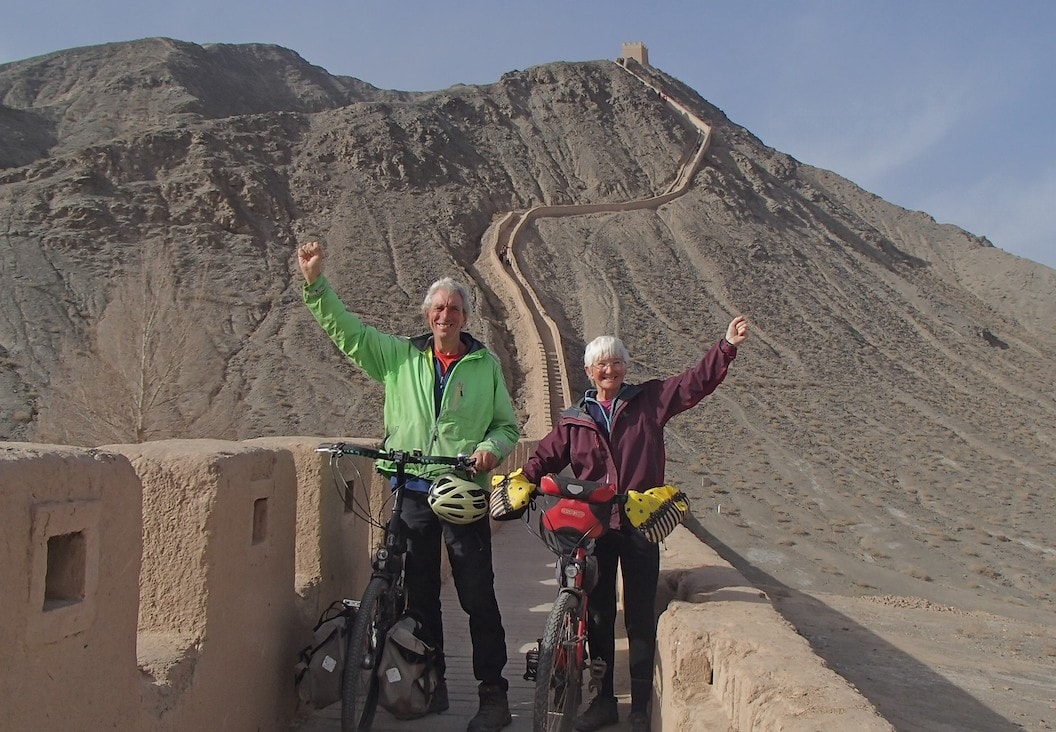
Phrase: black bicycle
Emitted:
{"points": [[384, 598]]}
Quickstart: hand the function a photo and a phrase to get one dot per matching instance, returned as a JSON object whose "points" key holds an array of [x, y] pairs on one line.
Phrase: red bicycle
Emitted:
{"points": [[573, 514]]}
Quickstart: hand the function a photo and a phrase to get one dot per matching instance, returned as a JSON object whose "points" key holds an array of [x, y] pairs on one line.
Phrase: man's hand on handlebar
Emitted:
{"points": [[484, 461]]}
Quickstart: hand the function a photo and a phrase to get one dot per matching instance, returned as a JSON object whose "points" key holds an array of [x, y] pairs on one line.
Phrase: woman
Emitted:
{"points": [[616, 433]]}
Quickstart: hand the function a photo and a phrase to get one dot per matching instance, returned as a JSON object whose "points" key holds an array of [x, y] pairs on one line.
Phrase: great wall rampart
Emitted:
{"points": [[169, 586], [499, 247]]}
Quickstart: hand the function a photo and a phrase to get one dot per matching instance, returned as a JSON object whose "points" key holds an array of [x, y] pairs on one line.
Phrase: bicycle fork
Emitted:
{"points": [[575, 653]]}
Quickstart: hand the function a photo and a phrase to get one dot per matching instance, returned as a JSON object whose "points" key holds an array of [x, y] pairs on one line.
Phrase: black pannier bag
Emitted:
{"points": [[407, 674], [322, 664]]}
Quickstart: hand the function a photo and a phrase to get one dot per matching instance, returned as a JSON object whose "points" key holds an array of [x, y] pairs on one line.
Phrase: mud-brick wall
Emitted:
{"points": [[69, 588], [216, 608], [726, 659], [333, 541]]}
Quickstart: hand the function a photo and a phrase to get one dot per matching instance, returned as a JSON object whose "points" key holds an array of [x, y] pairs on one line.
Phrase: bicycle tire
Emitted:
{"points": [[359, 687], [559, 680]]}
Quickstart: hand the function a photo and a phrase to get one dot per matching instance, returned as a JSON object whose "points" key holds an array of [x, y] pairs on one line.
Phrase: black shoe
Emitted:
{"points": [[494, 712], [639, 721], [439, 702], [602, 712]]}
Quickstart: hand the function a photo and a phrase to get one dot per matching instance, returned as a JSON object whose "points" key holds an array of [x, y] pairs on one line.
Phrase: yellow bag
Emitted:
{"points": [[657, 511], [510, 495]]}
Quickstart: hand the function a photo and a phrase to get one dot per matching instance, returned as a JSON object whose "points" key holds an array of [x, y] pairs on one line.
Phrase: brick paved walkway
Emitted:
{"points": [[526, 587]]}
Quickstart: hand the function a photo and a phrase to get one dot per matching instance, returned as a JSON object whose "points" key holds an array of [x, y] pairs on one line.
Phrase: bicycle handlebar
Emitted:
{"points": [[399, 457], [617, 499]]}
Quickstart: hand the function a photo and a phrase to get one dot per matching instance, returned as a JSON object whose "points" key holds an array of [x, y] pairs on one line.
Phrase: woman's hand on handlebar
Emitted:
{"points": [[484, 461]]}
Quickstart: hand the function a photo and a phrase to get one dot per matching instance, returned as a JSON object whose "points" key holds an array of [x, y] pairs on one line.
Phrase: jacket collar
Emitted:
{"points": [[579, 409], [627, 391], [425, 341]]}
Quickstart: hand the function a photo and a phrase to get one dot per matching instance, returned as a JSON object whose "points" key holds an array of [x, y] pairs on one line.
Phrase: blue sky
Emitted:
{"points": [[943, 106]]}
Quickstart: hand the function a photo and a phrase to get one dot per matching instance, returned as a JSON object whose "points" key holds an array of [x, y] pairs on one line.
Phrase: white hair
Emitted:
{"points": [[448, 284], [605, 346]]}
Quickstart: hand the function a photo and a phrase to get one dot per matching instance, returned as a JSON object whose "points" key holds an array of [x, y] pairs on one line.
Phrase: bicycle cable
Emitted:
{"points": [[357, 499], [351, 497]]}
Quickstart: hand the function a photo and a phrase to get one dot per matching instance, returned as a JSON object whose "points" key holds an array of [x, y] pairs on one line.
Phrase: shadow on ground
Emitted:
{"points": [[907, 693]]}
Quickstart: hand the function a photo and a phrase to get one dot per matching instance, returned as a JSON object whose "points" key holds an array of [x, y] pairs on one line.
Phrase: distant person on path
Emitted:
{"points": [[615, 432], [444, 395]]}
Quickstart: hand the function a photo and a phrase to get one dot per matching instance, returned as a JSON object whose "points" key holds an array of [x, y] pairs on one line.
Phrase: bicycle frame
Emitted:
{"points": [[385, 561], [573, 573], [388, 555]]}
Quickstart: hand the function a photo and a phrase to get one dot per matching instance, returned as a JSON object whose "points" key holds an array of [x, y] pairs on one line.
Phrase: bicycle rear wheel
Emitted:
{"points": [[359, 688], [558, 682]]}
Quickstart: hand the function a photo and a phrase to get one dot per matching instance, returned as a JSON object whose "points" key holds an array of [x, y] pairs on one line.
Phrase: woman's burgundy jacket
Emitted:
{"points": [[632, 455]]}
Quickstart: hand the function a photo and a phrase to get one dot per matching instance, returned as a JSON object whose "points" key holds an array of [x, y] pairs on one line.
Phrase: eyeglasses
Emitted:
{"points": [[614, 364]]}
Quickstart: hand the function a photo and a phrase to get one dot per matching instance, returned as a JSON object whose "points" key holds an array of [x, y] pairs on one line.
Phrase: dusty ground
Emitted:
{"points": [[934, 667]]}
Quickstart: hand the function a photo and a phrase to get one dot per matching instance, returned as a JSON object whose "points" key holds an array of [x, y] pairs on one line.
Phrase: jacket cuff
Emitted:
{"points": [[728, 348], [316, 288]]}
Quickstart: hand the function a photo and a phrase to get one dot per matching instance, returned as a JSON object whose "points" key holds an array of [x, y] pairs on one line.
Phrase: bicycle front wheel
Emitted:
{"points": [[359, 688], [558, 682]]}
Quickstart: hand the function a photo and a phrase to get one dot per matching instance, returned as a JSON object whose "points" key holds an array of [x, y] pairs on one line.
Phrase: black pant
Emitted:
{"points": [[469, 551], [639, 563]]}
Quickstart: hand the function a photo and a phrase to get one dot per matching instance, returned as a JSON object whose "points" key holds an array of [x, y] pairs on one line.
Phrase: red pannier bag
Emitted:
{"points": [[581, 511]]}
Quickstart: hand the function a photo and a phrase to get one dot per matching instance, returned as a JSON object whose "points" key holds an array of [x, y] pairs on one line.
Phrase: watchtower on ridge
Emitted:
{"points": [[636, 50]]}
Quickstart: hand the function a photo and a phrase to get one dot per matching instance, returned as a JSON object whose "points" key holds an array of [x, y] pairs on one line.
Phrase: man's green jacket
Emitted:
{"points": [[475, 411]]}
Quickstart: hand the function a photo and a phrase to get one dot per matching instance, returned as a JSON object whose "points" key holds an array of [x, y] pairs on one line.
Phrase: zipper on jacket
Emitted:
{"points": [[443, 382], [584, 419]]}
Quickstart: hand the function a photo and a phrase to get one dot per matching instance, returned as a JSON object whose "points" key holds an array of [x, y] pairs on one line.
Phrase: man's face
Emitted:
{"points": [[447, 315]]}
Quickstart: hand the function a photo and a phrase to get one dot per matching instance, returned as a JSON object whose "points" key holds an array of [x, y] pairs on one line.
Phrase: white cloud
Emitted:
{"points": [[1016, 214], [872, 133]]}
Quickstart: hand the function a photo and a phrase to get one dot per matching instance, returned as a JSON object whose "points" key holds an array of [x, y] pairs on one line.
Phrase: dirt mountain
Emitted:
{"points": [[880, 459]]}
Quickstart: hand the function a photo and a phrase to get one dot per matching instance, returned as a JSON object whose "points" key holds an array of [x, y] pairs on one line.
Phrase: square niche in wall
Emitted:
{"points": [[67, 568], [64, 569]]}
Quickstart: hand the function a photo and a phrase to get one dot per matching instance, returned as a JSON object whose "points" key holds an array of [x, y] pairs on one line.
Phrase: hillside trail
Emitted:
{"points": [[548, 386]]}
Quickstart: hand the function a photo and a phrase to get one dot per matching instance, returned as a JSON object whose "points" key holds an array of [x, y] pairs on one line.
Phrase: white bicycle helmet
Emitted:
{"points": [[457, 500]]}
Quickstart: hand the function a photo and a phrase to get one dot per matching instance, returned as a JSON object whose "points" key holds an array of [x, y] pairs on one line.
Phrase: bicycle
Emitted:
{"points": [[383, 600], [574, 513], [580, 514]]}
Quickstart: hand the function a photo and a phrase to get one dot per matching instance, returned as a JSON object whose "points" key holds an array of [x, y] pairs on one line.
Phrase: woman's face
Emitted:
{"points": [[607, 373]]}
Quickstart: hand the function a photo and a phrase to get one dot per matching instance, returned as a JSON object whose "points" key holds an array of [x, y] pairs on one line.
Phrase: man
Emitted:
{"points": [[444, 395]]}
